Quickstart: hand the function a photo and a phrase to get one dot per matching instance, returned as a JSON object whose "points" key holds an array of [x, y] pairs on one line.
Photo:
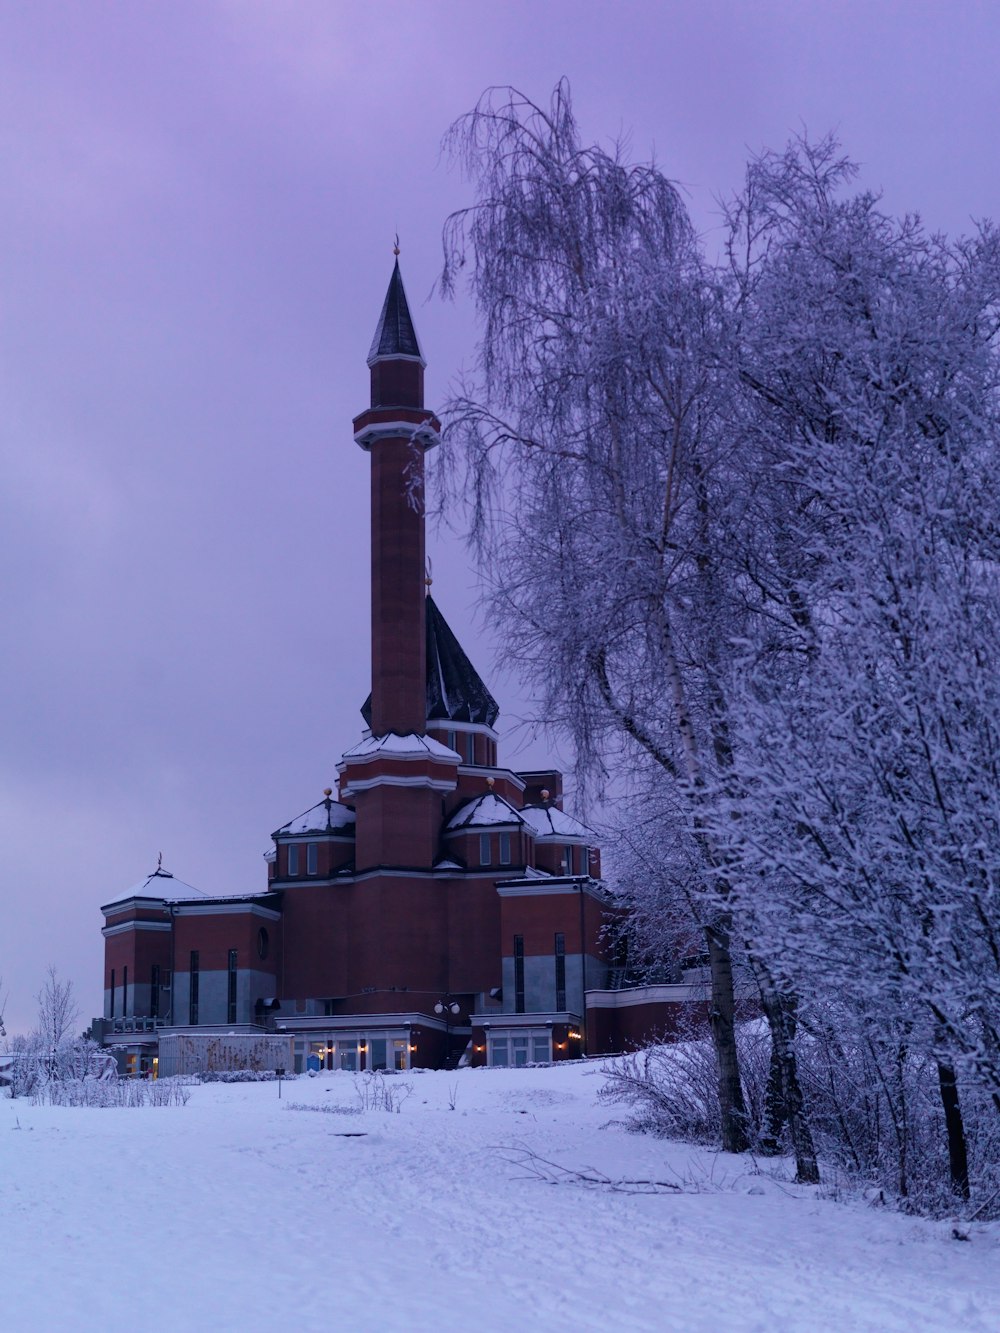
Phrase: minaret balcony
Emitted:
{"points": [[395, 423]]}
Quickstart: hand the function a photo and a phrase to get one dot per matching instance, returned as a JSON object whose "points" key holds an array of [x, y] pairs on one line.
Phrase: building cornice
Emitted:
{"points": [[226, 909], [123, 926]]}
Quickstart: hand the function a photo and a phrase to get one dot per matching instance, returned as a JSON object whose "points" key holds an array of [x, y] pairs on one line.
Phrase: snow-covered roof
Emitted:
{"points": [[327, 817], [483, 811], [160, 884], [549, 821], [410, 746]]}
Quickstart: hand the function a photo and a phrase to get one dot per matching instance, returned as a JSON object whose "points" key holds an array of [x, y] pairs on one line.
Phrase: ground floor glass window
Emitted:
{"points": [[517, 1049]]}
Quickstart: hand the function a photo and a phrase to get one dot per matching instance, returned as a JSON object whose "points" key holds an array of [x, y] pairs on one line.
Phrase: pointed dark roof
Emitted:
{"points": [[395, 334], [455, 689]]}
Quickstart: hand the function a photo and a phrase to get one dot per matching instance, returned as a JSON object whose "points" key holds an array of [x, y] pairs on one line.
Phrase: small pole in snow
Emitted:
{"points": [[279, 1072]]}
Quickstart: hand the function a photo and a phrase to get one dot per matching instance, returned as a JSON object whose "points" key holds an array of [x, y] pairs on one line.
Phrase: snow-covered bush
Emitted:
{"points": [[873, 1100], [671, 1089], [239, 1076], [35, 1063], [378, 1093], [110, 1092]]}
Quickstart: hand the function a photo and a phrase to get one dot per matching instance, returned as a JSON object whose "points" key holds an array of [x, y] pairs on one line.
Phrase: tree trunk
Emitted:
{"points": [[958, 1159], [780, 1013], [723, 1020], [774, 1108]]}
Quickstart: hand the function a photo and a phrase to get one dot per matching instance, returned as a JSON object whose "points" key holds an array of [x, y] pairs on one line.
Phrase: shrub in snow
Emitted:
{"points": [[377, 1093], [671, 1090], [110, 1092], [240, 1076], [872, 1098], [35, 1063]]}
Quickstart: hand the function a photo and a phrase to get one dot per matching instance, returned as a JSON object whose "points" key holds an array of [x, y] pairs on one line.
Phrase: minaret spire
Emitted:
{"points": [[397, 430]]}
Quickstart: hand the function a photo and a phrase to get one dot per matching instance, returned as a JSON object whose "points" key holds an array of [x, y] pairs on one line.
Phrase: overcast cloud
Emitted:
{"points": [[197, 205]]}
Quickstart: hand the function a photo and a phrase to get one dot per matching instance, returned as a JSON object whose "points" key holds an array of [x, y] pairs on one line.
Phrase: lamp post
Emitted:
{"points": [[451, 1008]]}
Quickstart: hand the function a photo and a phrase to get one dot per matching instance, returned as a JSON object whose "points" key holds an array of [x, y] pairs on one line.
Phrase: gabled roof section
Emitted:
{"points": [[327, 817], [455, 689], [484, 811], [395, 334]]}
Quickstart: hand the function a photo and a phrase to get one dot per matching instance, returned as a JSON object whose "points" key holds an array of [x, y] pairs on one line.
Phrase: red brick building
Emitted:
{"points": [[437, 906]]}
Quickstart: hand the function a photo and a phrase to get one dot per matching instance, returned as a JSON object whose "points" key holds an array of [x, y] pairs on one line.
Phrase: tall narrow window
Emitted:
{"points": [[518, 974], [124, 992], [231, 995], [312, 858], [505, 849], [568, 860], [484, 849], [453, 740], [293, 859], [112, 1014], [154, 991], [470, 747], [560, 952], [193, 994]]}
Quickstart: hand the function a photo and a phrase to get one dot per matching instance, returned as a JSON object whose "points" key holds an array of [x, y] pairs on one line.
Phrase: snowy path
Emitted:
{"points": [[237, 1212]]}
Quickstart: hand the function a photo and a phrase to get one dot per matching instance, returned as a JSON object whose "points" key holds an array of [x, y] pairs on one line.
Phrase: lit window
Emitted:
{"points": [[293, 859], [505, 849], [312, 858], [519, 1051], [484, 849]]}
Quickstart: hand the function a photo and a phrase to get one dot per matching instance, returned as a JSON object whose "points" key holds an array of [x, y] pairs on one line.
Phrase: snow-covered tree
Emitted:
{"points": [[864, 813], [598, 470], [58, 1012]]}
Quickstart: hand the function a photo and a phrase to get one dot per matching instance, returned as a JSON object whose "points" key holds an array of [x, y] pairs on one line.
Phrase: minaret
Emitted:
{"points": [[397, 430]]}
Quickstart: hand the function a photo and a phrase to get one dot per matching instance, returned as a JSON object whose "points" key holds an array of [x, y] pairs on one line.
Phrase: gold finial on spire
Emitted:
{"points": [[395, 246]]}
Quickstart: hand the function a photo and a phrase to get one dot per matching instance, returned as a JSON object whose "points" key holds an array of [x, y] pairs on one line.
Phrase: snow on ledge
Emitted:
{"points": [[485, 810], [549, 821], [410, 746]]}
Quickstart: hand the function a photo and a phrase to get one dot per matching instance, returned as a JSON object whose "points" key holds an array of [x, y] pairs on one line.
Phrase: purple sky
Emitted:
{"points": [[197, 204]]}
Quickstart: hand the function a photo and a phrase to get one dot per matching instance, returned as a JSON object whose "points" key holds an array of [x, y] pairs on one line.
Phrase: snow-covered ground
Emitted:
{"points": [[237, 1211]]}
